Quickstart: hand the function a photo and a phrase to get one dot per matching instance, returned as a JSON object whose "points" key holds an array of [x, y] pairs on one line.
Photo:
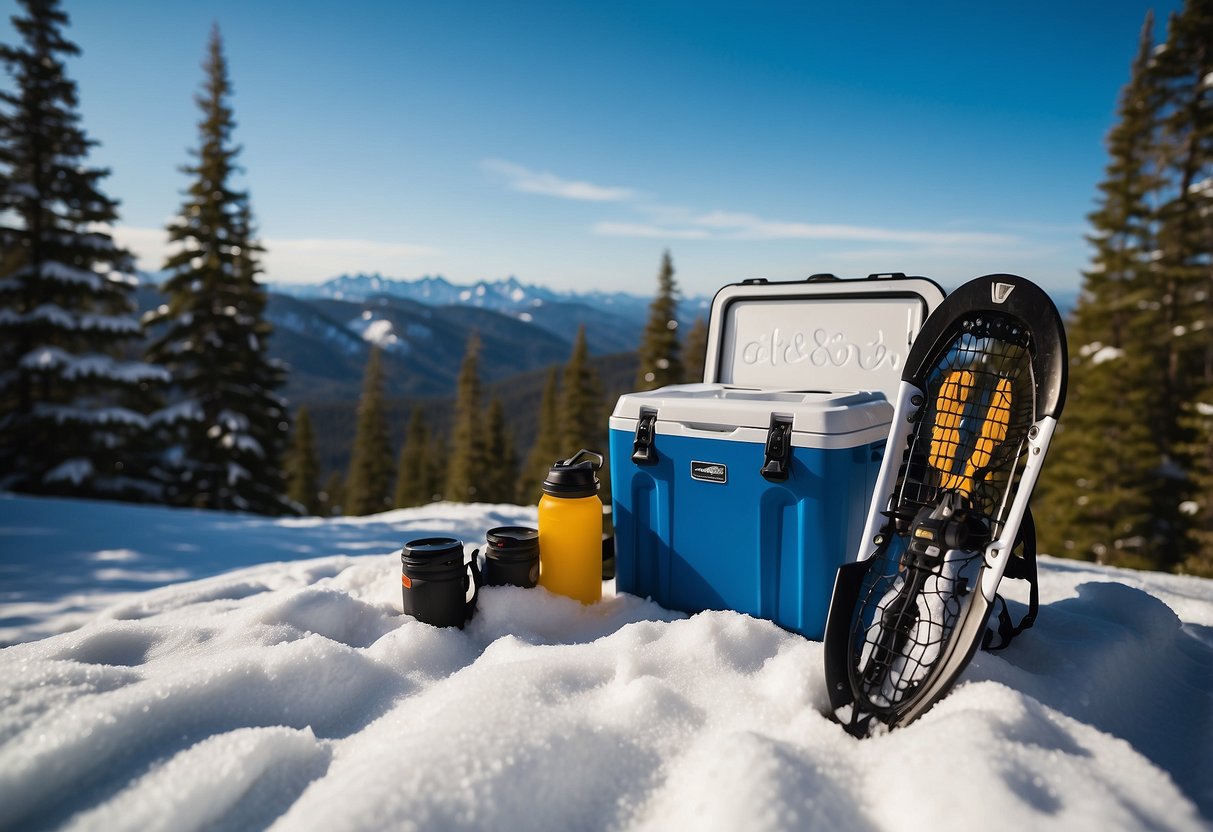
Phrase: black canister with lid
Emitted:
{"points": [[511, 557], [438, 587]]}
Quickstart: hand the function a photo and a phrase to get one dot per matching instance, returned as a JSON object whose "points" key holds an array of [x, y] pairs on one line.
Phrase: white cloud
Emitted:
{"points": [[149, 245], [637, 229], [674, 223], [749, 227], [548, 184], [293, 261]]}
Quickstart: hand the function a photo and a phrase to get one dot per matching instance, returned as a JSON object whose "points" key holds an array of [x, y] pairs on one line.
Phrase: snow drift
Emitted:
{"points": [[295, 695]]}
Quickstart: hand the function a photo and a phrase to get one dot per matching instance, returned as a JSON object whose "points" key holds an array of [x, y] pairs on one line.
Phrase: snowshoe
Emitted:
{"points": [[980, 394]]}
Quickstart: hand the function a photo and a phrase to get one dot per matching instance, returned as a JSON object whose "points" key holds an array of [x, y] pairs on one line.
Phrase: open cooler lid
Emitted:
{"points": [[818, 334]]}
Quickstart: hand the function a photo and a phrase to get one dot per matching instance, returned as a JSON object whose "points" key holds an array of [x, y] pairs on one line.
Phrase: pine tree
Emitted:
{"points": [[368, 485], [72, 413], [547, 446], [464, 467], [414, 473], [302, 470], [695, 352], [660, 357], [580, 420], [1185, 253], [226, 423], [499, 473], [1198, 419], [1129, 471], [1094, 504], [332, 496], [437, 466]]}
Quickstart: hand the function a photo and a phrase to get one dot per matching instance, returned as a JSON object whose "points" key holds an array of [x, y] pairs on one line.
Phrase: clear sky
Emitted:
{"points": [[569, 143]]}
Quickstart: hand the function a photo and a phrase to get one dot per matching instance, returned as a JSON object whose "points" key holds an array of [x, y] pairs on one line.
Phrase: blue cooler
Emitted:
{"points": [[747, 492]]}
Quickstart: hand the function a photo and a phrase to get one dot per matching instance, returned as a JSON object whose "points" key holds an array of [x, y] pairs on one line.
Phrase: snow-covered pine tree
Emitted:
{"points": [[72, 411], [463, 466], [660, 357], [1184, 68], [1100, 494], [414, 477], [547, 446], [368, 486], [225, 425], [302, 470]]}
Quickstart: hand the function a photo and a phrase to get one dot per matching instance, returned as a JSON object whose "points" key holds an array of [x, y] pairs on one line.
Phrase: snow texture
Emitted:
{"points": [[74, 470], [68, 415], [186, 411], [53, 270], [73, 367], [1107, 354], [377, 331], [294, 694], [56, 315]]}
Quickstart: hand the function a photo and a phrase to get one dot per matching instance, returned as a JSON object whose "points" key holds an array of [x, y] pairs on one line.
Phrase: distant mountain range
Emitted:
{"points": [[613, 320], [324, 332]]}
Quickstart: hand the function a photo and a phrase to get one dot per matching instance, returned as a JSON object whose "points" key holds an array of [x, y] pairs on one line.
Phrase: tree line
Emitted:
{"points": [[181, 406], [1130, 476], [470, 454]]}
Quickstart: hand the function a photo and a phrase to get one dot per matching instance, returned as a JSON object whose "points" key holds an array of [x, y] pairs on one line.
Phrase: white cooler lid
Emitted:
{"points": [[715, 409], [817, 335]]}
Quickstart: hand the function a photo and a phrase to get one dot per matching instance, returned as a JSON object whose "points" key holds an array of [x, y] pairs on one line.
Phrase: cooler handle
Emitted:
{"points": [[643, 452]]}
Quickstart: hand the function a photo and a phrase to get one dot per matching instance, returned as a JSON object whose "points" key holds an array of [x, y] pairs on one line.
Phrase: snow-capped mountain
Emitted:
{"points": [[509, 295]]}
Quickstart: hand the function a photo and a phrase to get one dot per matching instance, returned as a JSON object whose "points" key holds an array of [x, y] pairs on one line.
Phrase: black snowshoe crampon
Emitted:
{"points": [[980, 395]]}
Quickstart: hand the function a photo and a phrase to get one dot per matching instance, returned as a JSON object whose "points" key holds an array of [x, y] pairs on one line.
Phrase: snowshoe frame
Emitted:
{"points": [[980, 395]]}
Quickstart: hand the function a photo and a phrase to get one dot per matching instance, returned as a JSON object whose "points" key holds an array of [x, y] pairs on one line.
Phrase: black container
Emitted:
{"points": [[511, 557], [438, 587]]}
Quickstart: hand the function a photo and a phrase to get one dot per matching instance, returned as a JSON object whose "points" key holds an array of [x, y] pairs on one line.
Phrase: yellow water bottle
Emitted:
{"points": [[570, 529]]}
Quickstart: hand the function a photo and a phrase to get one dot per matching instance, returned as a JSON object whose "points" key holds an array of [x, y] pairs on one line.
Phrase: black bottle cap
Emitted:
{"points": [[573, 478], [513, 538]]}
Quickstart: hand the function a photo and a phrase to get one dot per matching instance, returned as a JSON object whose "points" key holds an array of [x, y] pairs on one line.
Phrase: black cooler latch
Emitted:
{"points": [[643, 452], [779, 448]]}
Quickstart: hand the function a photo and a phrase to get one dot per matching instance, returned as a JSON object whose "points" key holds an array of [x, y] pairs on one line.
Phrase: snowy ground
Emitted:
{"points": [[244, 693]]}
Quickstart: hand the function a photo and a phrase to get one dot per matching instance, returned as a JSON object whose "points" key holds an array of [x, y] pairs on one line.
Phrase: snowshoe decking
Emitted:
{"points": [[980, 394]]}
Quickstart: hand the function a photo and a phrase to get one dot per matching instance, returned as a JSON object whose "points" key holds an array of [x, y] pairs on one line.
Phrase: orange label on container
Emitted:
{"points": [[404, 579]]}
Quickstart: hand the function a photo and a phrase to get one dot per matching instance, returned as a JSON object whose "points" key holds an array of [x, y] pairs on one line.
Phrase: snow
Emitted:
{"points": [[74, 470], [53, 270], [70, 415], [71, 367], [271, 680], [378, 331], [184, 411], [1108, 353]]}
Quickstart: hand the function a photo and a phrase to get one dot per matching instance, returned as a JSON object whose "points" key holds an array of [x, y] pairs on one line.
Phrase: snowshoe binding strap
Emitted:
{"points": [[1022, 567], [980, 393]]}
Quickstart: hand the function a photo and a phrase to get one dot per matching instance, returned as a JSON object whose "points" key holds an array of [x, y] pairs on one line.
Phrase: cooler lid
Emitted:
{"points": [[716, 408], [821, 334]]}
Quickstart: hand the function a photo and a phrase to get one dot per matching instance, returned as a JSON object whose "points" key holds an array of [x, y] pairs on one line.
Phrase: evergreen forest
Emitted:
{"points": [[182, 405]]}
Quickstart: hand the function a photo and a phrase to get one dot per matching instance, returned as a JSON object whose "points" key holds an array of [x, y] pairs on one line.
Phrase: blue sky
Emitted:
{"points": [[570, 143]]}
